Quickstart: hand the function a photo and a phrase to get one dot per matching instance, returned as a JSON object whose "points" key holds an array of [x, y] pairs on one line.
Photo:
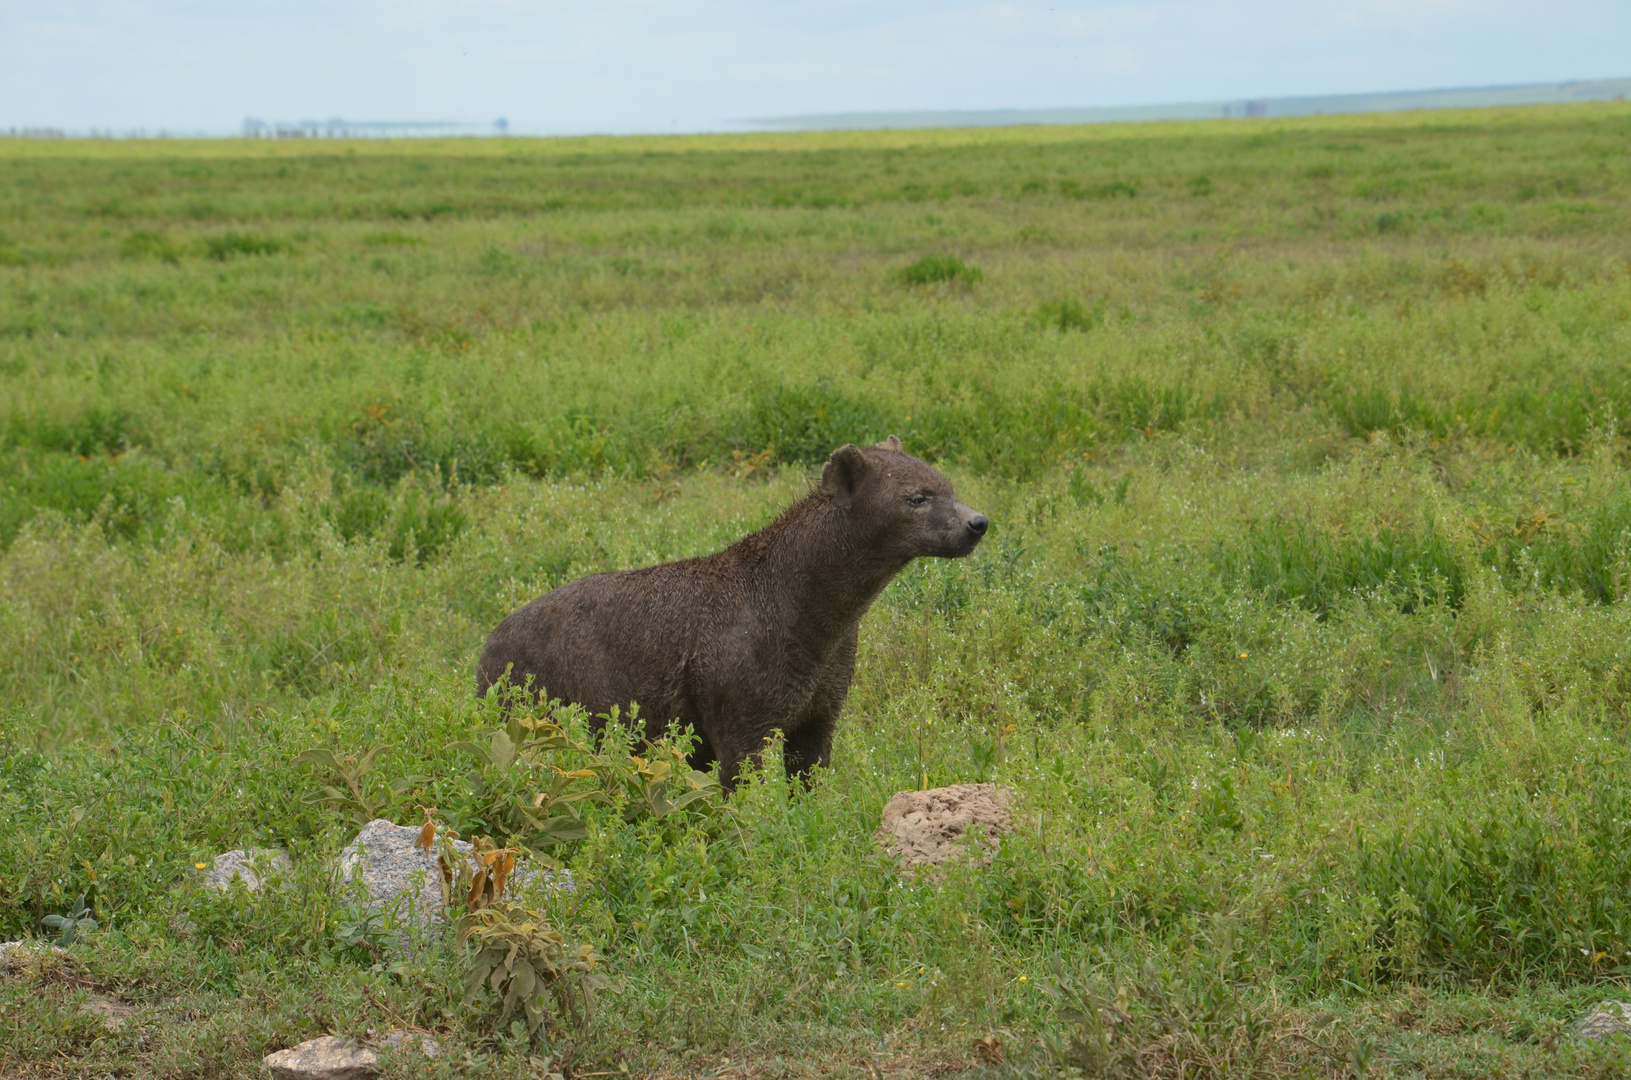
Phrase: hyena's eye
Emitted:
{"points": [[917, 498]]}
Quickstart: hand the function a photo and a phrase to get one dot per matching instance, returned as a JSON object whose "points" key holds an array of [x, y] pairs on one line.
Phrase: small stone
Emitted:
{"points": [[23, 949], [325, 1058], [924, 829], [411, 1040], [396, 874], [1609, 1018], [253, 866]]}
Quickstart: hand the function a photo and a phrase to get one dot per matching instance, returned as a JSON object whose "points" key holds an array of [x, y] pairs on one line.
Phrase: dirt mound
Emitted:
{"points": [[924, 829]]}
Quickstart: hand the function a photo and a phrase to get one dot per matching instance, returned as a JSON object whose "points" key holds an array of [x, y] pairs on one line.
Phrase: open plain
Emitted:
{"points": [[1298, 634]]}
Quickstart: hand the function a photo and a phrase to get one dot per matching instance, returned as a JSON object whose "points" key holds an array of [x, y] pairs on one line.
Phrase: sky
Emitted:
{"points": [[615, 66]]}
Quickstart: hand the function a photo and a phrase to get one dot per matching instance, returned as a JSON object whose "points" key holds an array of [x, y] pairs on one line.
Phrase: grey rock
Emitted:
{"points": [[393, 872], [325, 1058], [1609, 1018], [253, 866], [396, 875]]}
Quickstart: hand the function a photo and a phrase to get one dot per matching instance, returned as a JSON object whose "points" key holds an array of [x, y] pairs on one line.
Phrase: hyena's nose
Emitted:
{"points": [[977, 524]]}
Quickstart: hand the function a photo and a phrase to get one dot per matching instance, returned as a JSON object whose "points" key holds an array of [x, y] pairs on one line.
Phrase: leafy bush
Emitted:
{"points": [[524, 961], [1521, 884], [230, 244], [502, 791], [417, 520], [1111, 189], [393, 238], [356, 795], [1071, 314], [533, 778], [1591, 557], [939, 269], [805, 424], [146, 244], [77, 920], [1291, 562]]}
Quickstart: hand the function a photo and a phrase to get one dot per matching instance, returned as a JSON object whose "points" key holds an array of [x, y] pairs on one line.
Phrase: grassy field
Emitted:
{"points": [[1301, 632]]}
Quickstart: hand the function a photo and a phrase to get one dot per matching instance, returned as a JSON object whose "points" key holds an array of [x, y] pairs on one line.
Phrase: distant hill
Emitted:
{"points": [[1400, 101]]}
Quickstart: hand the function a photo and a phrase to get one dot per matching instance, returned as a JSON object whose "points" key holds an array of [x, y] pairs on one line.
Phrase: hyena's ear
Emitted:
{"points": [[891, 443], [841, 476]]}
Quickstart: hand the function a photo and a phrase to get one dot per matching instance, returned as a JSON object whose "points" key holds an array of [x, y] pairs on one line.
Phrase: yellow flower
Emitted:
{"points": [[1024, 978], [198, 865]]}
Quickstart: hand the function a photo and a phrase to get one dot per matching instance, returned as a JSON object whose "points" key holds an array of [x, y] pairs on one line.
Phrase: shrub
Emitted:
{"points": [[417, 520], [937, 269], [525, 961], [1520, 885], [804, 424], [1591, 557], [393, 238], [145, 244], [97, 430], [1292, 563], [223, 247], [1112, 190], [1068, 314], [1394, 222]]}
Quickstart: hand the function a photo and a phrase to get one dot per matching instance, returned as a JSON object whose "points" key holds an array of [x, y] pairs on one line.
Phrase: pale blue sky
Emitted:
{"points": [[646, 65]]}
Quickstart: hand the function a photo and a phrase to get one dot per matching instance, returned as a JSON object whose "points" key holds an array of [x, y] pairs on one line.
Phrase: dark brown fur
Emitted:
{"points": [[756, 638]]}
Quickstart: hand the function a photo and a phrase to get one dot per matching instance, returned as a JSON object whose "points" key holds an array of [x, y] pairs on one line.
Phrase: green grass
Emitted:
{"points": [[1298, 632]]}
